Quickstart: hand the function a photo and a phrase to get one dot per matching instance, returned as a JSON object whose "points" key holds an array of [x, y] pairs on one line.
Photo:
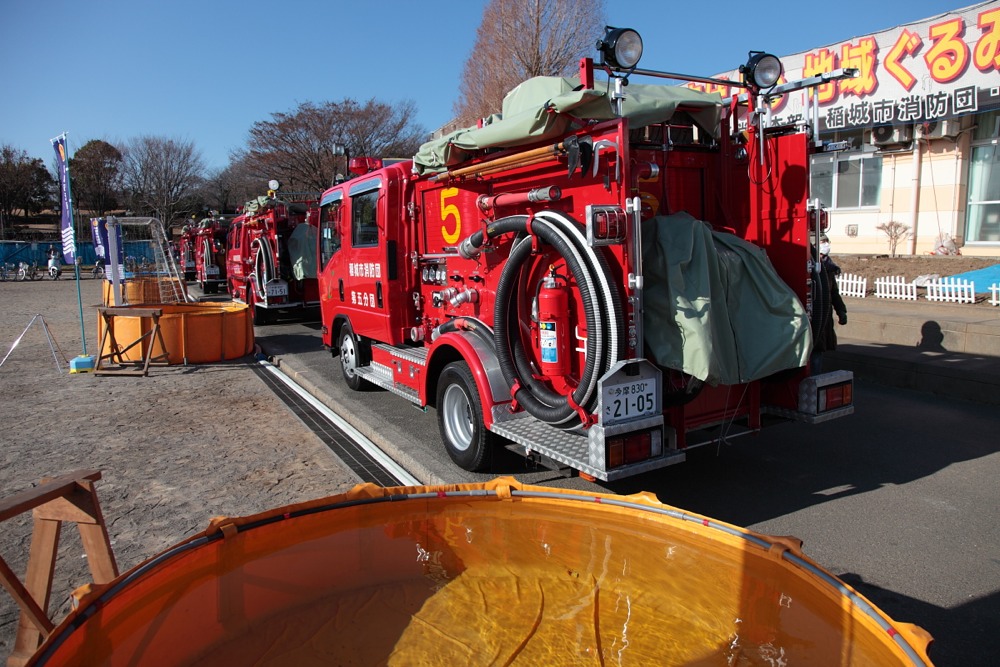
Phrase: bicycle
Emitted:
{"points": [[97, 272], [6, 272], [26, 271]]}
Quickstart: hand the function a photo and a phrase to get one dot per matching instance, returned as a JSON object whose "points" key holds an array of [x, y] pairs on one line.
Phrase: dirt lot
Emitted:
{"points": [[879, 266], [175, 448]]}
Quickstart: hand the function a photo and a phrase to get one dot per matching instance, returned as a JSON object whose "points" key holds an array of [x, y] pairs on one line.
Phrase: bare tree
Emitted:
{"points": [[299, 148], [519, 39], [96, 170], [894, 232], [25, 185], [161, 177], [224, 190]]}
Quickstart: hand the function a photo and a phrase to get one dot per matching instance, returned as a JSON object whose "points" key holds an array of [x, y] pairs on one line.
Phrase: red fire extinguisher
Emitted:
{"points": [[553, 327]]}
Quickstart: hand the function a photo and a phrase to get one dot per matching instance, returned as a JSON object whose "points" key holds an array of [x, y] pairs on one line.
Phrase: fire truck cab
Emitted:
{"points": [[592, 280]]}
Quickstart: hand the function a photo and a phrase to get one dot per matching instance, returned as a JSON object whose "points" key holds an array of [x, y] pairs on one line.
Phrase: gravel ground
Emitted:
{"points": [[175, 448]]}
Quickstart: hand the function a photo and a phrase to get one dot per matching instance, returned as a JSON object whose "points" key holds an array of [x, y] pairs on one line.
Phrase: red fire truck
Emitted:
{"points": [[185, 251], [271, 255], [601, 279], [210, 254]]}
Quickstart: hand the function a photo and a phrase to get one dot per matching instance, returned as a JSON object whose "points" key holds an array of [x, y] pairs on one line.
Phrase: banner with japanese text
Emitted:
{"points": [[919, 73], [66, 226]]}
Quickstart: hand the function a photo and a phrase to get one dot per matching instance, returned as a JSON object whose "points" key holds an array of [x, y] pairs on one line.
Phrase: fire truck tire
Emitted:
{"points": [[260, 316], [460, 419], [353, 354]]}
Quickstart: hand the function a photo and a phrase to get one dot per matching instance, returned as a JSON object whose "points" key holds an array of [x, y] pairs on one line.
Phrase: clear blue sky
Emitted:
{"points": [[205, 71]]}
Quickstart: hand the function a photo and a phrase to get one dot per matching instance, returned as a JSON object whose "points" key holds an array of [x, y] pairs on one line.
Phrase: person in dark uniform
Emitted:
{"points": [[826, 301]]}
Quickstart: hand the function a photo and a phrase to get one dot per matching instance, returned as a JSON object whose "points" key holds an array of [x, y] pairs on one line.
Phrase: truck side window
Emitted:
{"points": [[364, 229], [329, 224]]}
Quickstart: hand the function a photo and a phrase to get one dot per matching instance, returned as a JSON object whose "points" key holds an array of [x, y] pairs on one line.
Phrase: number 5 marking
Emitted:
{"points": [[448, 210]]}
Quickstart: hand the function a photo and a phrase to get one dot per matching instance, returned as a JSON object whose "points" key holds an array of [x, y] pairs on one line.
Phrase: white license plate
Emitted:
{"points": [[276, 289], [212, 270], [631, 400]]}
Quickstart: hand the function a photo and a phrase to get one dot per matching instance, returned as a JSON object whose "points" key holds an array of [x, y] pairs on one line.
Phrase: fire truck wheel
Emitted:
{"points": [[260, 316], [460, 419], [352, 355]]}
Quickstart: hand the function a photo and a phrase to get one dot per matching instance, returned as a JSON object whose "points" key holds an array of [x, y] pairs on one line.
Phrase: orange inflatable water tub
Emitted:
{"points": [[494, 573], [190, 333]]}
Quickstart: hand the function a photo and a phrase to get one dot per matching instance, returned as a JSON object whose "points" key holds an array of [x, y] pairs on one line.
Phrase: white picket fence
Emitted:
{"points": [[951, 290], [995, 294], [895, 287], [850, 284]]}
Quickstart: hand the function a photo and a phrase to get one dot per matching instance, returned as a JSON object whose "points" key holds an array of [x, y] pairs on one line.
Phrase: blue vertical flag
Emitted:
{"points": [[68, 238]]}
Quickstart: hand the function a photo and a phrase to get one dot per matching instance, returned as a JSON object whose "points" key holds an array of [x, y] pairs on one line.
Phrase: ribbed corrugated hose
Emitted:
{"points": [[537, 398]]}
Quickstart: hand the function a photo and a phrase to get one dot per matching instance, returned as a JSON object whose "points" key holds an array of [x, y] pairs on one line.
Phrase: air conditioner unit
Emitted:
{"points": [[938, 129], [885, 135]]}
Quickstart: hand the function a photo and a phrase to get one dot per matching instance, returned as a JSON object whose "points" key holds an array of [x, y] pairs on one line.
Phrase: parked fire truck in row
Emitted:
{"points": [[210, 254], [185, 251], [271, 255], [591, 280]]}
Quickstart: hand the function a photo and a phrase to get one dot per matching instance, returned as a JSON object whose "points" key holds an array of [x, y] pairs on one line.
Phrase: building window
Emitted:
{"points": [[846, 179], [983, 217]]}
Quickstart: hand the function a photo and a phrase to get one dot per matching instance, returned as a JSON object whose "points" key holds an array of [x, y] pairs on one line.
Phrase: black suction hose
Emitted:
{"points": [[473, 326], [540, 401]]}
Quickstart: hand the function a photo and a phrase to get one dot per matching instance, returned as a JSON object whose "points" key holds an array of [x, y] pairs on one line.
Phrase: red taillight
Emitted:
{"points": [[835, 396], [605, 224], [632, 448]]}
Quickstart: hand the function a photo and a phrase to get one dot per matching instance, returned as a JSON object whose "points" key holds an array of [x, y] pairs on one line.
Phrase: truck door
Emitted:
{"points": [[330, 273], [366, 276]]}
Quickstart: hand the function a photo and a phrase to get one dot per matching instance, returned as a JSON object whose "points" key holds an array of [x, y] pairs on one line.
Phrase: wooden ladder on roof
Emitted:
{"points": [[70, 497]]}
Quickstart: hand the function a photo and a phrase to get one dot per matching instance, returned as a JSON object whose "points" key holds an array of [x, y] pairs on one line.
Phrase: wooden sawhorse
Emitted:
{"points": [[70, 497], [116, 355]]}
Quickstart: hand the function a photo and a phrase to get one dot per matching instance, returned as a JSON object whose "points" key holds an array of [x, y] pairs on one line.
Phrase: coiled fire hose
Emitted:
{"points": [[601, 306]]}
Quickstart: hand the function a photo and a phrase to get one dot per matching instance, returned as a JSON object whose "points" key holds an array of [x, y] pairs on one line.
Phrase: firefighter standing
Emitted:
{"points": [[826, 300]]}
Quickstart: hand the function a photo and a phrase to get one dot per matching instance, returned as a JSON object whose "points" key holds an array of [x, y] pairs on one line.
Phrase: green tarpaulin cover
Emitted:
{"points": [[714, 307], [545, 107], [302, 251]]}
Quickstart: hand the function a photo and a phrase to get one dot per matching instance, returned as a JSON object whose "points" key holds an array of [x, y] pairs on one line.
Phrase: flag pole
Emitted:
{"points": [[84, 362]]}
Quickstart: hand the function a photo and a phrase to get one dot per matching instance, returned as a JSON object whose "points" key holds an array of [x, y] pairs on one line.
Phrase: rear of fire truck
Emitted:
{"points": [[271, 254], [185, 251], [210, 254], [590, 280]]}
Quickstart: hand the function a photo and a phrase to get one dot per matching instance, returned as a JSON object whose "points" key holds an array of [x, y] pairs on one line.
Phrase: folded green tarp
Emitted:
{"points": [[544, 107], [714, 307], [302, 251]]}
